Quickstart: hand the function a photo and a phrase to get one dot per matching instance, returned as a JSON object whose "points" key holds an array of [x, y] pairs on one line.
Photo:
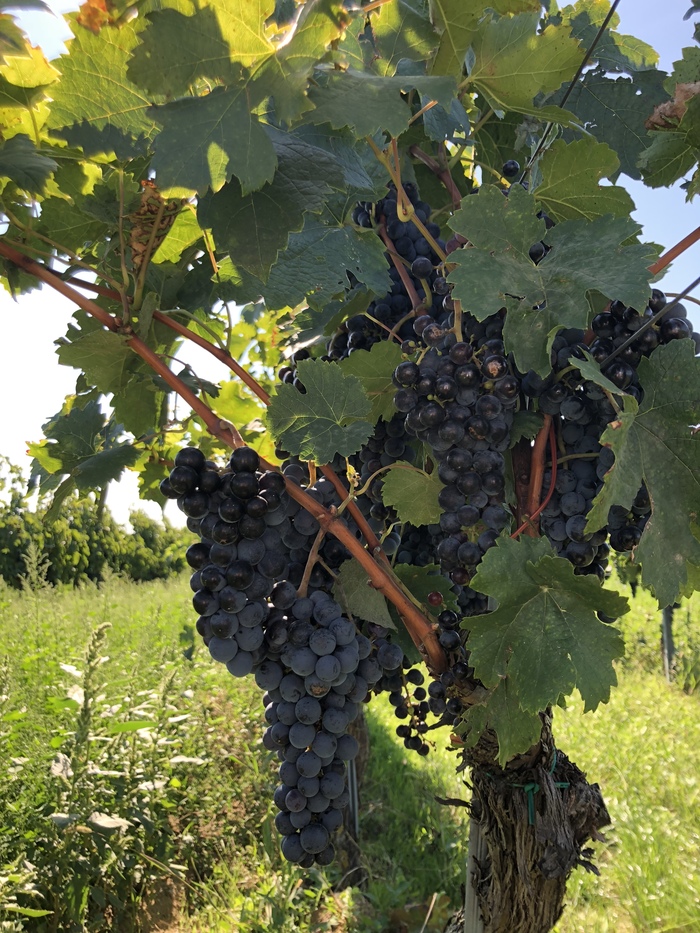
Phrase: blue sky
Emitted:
{"points": [[32, 374]]}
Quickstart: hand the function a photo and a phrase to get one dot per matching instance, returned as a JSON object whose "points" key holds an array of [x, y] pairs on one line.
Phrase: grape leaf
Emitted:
{"points": [[374, 369], [359, 597], [614, 112], [413, 493], [586, 257], [183, 233], [285, 75], [401, 30], [667, 159], [441, 124], [138, 405], [327, 419], [544, 635], [81, 444], [525, 424], [656, 445], [314, 324], [67, 225], [614, 50], [456, 21], [103, 356], [516, 729], [513, 64], [370, 103], [118, 114], [200, 147], [422, 581], [570, 186], [255, 226], [177, 48], [317, 261], [24, 165]]}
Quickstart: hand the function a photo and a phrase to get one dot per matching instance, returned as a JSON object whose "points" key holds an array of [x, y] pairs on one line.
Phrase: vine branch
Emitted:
{"points": [[419, 628], [443, 174]]}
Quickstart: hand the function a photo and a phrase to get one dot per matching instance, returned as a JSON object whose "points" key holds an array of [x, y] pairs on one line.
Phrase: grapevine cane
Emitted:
{"points": [[418, 626]]}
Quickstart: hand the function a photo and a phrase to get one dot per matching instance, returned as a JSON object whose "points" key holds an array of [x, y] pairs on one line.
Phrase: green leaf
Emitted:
{"points": [[657, 446], [667, 159], [285, 75], [68, 225], [456, 22], [178, 48], [314, 324], [513, 64], [327, 419], [255, 226], [183, 233], [494, 223], [356, 594], [79, 114], [316, 263], [570, 187], [614, 50], [422, 581], [26, 911], [22, 164], [516, 729], [370, 103], [200, 147], [102, 355], [138, 403], [525, 424], [586, 257], [83, 447], [615, 112], [413, 493], [374, 369], [132, 725], [401, 31], [544, 635]]}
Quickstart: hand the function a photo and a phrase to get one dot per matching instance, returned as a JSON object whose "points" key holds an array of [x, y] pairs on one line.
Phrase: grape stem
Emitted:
{"points": [[310, 563], [405, 278], [442, 173], [419, 628], [674, 252], [534, 508]]}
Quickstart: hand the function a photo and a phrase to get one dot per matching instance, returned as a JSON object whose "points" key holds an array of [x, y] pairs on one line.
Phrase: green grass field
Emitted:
{"points": [[135, 793]]}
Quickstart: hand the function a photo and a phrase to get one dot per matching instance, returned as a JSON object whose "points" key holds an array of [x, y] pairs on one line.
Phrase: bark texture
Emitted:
{"points": [[537, 815]]}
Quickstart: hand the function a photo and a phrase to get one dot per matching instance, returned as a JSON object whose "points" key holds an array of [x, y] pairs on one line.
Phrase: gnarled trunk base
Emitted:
{"points": [[537, 816]]}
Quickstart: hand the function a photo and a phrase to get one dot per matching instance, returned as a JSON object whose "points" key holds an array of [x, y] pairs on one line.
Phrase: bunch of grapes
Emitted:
{"points": [[261, 613]]}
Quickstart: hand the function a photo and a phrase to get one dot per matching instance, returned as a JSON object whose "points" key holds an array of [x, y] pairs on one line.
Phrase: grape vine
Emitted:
{"points": [[456, 385]]}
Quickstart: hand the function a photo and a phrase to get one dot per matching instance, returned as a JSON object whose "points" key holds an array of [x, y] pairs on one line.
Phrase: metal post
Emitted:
{"points": [[667, 640], [477, 850]]}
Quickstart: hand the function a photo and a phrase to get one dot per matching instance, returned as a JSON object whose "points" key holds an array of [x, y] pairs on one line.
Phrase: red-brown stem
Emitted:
{"points": [[400, 268], [311, 563], [258, 390], [352, 507], [90, 286], [220, 354], [530, 519], [442, 173], [418, 627], [536, 476], [212, 422], [674, 252]]}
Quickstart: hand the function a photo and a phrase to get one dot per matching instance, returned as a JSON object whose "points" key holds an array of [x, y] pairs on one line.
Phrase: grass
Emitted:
{"points": [[208, 859]]}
